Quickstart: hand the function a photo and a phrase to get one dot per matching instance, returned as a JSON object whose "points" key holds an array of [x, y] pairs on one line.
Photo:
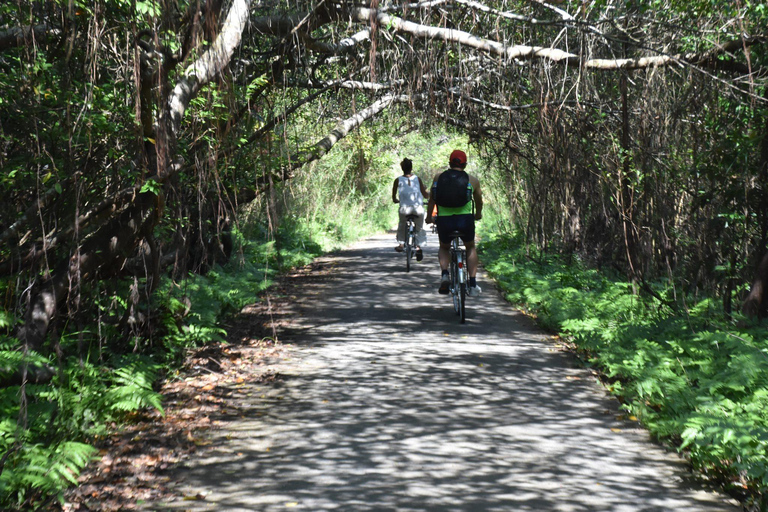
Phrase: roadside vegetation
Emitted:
{"points": [[163, 160], [695, 378], [103, 372]]}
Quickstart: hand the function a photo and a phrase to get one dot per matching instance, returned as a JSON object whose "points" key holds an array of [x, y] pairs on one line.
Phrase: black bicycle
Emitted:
{"points": [[410, 241], [458, 271]]}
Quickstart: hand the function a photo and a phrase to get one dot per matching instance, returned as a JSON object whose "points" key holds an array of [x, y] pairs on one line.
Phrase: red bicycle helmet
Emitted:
{"points": [[458, 157]]}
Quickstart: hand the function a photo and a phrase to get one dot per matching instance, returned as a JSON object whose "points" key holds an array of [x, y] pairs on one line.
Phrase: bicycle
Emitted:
{"points": [[458, 271], [410, 241]]}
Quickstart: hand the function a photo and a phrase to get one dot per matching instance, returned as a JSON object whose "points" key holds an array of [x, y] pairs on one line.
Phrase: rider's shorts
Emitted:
{"points": [[448, 224]]}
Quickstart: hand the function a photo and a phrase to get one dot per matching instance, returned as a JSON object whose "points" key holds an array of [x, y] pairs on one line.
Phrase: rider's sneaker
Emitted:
{"points": [[445, 285], [419, 255], [474, 291]]}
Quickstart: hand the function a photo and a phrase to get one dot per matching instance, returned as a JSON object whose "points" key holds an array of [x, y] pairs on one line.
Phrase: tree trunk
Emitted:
{"points": [[102, 254], [754, 305]]}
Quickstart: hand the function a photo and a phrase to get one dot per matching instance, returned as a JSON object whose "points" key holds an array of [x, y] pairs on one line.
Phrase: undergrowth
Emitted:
{"points": [[695, 379], [48, 430], [100, 373]]}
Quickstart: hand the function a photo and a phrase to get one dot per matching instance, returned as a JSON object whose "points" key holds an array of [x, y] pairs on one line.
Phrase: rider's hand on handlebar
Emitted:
{"points": [[478, 216], [395, 201]]}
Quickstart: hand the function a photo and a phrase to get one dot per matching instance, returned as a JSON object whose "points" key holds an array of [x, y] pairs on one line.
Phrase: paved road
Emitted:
{"points": [[389, 404]]}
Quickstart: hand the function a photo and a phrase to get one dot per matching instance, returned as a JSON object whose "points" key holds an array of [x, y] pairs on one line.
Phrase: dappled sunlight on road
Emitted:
{"points": [[372, 294], [391, 405]]}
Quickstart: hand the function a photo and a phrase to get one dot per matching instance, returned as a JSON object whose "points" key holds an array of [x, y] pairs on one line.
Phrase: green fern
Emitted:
{"points": [[691, 378], [132, 389], [43, 470]]}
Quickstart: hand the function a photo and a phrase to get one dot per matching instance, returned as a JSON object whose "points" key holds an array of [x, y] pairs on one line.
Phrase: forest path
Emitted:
{"points": [[387, 403]]}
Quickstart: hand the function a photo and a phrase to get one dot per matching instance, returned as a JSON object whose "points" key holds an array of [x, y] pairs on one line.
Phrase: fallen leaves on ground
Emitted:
{"points": [[135, 458]]}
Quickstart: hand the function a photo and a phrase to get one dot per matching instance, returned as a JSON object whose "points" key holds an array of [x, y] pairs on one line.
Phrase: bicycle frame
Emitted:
{"points": [[410, 241], [458, 272]]}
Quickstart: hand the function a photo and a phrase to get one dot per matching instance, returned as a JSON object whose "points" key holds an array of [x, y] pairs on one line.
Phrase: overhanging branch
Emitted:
{"points": [[200, 72], [323, 146], [20, 36], [525, 52], [319, 149]]}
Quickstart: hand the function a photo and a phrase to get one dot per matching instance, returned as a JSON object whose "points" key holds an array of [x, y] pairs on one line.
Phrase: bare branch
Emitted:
{"points": [[31, 212], [346, 45], [563, 14], [512, 108], [341, 130], [525, 52], [508, 15], [319, 149], [20, 36], [346, 84], [210, 63], [417, 6]]}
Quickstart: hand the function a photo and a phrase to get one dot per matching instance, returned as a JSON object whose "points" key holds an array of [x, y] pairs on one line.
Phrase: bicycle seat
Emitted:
{"points": [[411, 217], [457, 234]]}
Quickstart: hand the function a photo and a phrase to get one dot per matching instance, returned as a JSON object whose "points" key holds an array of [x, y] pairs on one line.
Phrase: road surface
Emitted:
{"points": [[389, 404]]}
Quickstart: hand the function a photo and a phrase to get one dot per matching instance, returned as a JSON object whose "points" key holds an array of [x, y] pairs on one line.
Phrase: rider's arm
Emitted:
{"points": [[424, 191], [477, 195], [394, 192], [430, 206]]}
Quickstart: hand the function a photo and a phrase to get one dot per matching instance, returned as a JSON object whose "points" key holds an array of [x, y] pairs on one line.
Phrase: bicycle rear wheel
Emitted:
{"points": [[408, 253], [455, 287], [462, 302], [410, 245]]}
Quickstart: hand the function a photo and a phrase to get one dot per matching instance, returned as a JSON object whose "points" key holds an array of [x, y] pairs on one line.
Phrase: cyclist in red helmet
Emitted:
{"points": [[459, 203]]}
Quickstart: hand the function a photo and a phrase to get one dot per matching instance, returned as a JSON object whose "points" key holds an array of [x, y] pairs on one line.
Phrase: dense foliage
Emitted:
{"points": [[101, 379], [161, 159], [692, 377]]}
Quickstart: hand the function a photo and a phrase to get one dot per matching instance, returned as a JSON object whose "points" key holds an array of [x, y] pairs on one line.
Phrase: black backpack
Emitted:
{"points": [[452, 189]]}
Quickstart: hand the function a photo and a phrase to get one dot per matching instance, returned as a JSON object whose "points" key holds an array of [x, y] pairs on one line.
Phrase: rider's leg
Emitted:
{"points": [[471, 258], [418, 226], [401, 228], [444, 253], [473, 290], [444, 256]]}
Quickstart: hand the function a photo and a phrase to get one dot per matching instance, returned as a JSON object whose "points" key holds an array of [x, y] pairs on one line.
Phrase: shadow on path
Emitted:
{"points": [[389, 404]]}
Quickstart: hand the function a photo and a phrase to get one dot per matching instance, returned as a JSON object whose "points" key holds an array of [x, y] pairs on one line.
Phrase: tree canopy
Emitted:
{"points": [[123, 117], [135, 133]]}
